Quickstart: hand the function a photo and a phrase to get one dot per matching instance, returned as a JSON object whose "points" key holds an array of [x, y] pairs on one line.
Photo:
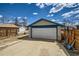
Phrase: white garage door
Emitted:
{"points": [[46, 33]]}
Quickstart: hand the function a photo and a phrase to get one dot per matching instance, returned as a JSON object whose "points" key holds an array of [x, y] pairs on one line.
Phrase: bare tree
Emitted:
{"points": [[25, 21], [2, 19], [16, 21]]}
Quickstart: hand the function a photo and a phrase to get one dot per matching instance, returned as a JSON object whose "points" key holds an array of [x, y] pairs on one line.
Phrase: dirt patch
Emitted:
{"points": [[11, 39], [44, 52], [8, 40]]}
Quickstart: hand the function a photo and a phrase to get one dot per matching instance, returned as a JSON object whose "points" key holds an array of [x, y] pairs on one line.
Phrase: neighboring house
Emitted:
{"points": [[45, 29], [22, 29], [8, 30]]}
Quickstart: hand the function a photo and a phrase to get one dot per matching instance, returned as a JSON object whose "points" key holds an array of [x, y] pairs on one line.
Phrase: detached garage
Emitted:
{"points": [[45, 29]]}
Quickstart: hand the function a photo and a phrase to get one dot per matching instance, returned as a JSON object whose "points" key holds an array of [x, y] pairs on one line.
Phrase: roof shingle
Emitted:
{"points": [[8, 25]]}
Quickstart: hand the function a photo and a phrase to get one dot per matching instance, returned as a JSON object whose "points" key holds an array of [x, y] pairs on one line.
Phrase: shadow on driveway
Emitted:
{"points": [[36, 39], [63, 48]]}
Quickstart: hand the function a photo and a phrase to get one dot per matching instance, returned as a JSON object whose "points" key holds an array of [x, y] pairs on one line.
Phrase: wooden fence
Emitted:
{"points": [[71, 35], [7, 32]]}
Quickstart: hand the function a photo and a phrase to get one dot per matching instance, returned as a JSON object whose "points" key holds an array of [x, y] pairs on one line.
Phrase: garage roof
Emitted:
{"points": [[44, 22]]}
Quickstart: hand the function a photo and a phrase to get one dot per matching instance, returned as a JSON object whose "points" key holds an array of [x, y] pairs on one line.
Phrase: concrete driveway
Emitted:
{"points": [[33, 48]]}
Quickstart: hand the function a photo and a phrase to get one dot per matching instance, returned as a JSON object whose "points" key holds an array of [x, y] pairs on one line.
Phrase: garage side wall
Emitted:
{"points": [[30, 32], [59, 33]]}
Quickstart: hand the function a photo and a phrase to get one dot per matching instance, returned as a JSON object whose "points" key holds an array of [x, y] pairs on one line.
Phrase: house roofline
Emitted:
{"points": [[45, 20]]}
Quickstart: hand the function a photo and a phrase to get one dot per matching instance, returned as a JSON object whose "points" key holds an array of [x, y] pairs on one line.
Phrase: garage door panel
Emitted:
{"points": [[46, 33]]}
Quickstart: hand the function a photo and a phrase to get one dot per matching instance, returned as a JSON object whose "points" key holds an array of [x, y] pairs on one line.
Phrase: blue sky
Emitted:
{"points": [[34, 11]]}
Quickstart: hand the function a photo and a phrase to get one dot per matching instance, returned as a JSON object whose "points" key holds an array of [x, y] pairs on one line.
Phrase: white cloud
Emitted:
{"points": [[53, 20], [42, 5], [54, 4], [37, 4], [10, 21], [71, 13], [77, 16], [68, 14], [48, 4], [19, 17], [49, 15], [35, 13], [76, 9], [25, 17], [69, 5], [1, 16], [60, 22], [57, 8], [76, 12]]}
